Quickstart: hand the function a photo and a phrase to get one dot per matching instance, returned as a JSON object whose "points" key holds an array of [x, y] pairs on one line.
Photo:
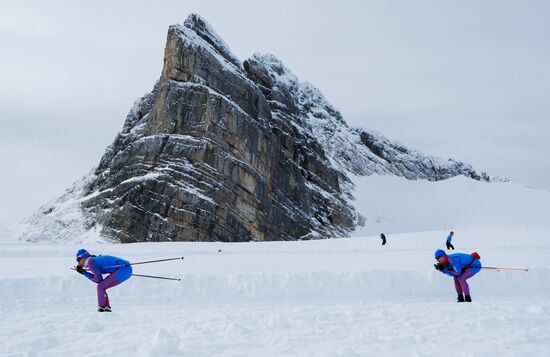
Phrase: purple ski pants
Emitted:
{"points": [[461, 285], [115, 278]]}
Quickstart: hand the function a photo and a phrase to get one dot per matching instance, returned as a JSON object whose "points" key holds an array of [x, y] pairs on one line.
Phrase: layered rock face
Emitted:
{"points": [[224, 151]]}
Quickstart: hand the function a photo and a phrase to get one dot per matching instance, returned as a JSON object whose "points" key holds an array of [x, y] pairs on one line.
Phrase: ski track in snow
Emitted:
{"points": [[342, 297]]}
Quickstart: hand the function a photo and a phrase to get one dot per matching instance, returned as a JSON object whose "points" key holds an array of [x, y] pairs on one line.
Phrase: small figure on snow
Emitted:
{"points": [[383, 237], [93, 267], [461, 267], [449, 239]]}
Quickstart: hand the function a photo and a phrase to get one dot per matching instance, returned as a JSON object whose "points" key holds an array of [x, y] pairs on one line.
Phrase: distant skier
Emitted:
{"points": [[383, 237], [449, 239], [93, 267], [461, 267]]}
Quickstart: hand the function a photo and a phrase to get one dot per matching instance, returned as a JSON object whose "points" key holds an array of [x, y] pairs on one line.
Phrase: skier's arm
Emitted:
{"points": [[95, 275], [457, 268], [451, 270]]}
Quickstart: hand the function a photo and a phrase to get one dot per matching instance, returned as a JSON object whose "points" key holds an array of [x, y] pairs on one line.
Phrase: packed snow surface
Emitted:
{"points": [[393, 204], [342, 297]]}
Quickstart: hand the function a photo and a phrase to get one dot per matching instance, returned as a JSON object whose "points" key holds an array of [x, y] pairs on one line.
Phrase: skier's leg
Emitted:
{"points": [[118, 276], [109, 282], [468, 273], [452, 246], [458, 286]]}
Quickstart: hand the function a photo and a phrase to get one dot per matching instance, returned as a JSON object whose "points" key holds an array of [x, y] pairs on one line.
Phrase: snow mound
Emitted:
{"points": [[62, 219], [91, 325], [314, 286], [165, 343], [329, 270]]}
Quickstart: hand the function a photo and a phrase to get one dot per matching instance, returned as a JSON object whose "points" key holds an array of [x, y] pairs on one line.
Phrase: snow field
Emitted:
{"points": [[504, 328], [394, 205], [343, 297]]}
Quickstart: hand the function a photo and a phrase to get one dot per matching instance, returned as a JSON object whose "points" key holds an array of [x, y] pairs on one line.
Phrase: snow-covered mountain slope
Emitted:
{"points": [[341, 297], [224, 151], [350, 150], [393, 204]]}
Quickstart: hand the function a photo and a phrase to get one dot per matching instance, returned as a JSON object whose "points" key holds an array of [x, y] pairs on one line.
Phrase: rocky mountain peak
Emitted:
{"points": [[220, 151], [206, 32]]}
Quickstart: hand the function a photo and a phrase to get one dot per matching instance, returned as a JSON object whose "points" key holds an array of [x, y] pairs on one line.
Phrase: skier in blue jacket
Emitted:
{"points": [[93, 267], [461, 267], [449, 239]]}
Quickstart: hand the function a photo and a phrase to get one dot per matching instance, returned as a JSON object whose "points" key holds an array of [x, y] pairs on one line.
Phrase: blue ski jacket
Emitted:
{"points": [[460, 261], [103, 264], [449, 238]]}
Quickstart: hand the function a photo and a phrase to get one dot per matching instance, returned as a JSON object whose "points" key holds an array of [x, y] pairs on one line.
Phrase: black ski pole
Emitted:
{"points": [[146, 262], [156, 277], [148, 276]]}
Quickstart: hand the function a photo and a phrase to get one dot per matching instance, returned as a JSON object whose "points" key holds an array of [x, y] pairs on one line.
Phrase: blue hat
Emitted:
{"points": [[82, 254], [440, 253]]}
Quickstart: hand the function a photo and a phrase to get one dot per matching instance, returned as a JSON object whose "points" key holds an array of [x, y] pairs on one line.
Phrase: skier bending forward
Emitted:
{"points": [[461, 267], [93, 267]]}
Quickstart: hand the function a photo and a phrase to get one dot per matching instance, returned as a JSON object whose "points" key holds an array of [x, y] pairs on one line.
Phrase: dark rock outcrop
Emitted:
{"points": [[224, 151]]}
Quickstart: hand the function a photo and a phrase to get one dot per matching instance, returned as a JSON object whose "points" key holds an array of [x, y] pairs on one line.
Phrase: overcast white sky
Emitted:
{"points": [[462, 79]]}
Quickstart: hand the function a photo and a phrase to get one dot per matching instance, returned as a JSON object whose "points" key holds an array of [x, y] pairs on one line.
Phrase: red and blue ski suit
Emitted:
{"points": [[106, 264], [461, 267]]}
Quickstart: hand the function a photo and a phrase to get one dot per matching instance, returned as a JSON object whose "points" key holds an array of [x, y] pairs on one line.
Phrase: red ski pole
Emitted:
{"points": [[499, 269]]}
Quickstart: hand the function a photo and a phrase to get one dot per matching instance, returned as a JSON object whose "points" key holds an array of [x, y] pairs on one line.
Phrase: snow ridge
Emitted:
{"points": [[351, 150]]}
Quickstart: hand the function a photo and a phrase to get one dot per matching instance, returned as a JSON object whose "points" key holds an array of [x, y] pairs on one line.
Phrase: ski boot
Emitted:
{"points": [[460, 298], [104, 309], [468, 298]]}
